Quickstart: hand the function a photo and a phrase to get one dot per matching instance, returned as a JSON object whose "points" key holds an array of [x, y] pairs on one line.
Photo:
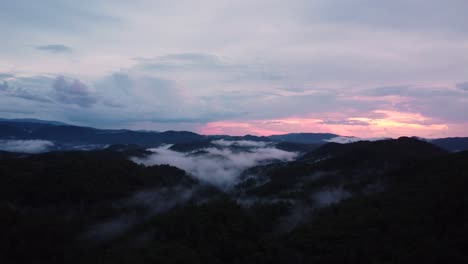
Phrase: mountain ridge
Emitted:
{"points": [[62, 133]]}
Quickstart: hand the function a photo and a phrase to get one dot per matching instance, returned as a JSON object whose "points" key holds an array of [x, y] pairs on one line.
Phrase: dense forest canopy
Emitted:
{"points": [[391, 201]]}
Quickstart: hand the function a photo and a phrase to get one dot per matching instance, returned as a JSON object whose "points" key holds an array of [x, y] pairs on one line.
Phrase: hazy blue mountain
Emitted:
{"points": [[33, 120], [246, 137], [452, 144], [307, 138], [70, 135]]}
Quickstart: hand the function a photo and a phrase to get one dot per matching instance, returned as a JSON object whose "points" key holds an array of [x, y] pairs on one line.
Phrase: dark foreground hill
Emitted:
{"points": [[403, 148], [399, 201], [421, 217]]}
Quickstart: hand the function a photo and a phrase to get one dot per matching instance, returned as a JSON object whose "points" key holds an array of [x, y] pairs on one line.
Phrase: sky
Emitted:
{"points": [[366, 68]]}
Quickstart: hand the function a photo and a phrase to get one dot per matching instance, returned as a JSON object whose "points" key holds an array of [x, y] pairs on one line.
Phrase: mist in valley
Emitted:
{"points": [[221, 165]]}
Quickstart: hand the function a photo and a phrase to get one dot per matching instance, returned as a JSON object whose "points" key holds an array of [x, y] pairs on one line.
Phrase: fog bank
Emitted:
{"points": [[26, 146], [219, 166]]}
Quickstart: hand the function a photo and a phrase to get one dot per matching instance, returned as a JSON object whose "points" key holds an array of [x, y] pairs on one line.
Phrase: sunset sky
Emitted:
{"points": [[366, 68]]}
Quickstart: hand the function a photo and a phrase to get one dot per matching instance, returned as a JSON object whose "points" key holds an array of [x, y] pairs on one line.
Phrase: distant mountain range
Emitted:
{"points": [[70, 135], [33, 120]]}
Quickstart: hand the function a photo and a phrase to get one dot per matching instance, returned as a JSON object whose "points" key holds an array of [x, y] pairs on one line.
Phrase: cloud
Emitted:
{"points": [[147, 102], [330, 196], [386, 91], [156, 201], [182, 62], [208, 66], [463, 86], [218, 166], [4, 86], [5, 75], [143, 97], [148, 98], [20, 92], [348, 122], [188, 59], [74, 92], [241, 143], [301, 59], [53, 16], [378, 123], [416, 15], [346, 140], [55, 48], [26, 146], [420, 99]]}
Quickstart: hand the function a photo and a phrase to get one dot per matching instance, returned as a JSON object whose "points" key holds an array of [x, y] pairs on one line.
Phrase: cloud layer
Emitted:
{"points": [[55, 48], [74, 92], [219, 166], [181, 65], [26, 146]]}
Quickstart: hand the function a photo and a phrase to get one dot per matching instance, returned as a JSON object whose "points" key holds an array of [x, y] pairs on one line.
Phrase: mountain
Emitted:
{"points": [[33, 120], [391, 201], [346, 169], [19, 129], [66, 136], [419, 216], [192, 146], [246, 137], [297, 147], [7, 154], [306, 138], [82, 135], [402, 148], [452, 144]]}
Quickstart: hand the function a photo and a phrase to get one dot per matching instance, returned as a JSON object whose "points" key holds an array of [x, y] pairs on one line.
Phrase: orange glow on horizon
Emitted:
{"points": [[378, 123]]}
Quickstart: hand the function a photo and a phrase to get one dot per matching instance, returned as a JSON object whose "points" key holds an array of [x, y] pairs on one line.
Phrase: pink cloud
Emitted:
{"points": [[378, 123]]}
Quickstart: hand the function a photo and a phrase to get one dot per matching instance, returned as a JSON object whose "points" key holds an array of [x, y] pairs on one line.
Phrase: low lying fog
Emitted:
{"points": [[221, 165], [26, 146]]}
